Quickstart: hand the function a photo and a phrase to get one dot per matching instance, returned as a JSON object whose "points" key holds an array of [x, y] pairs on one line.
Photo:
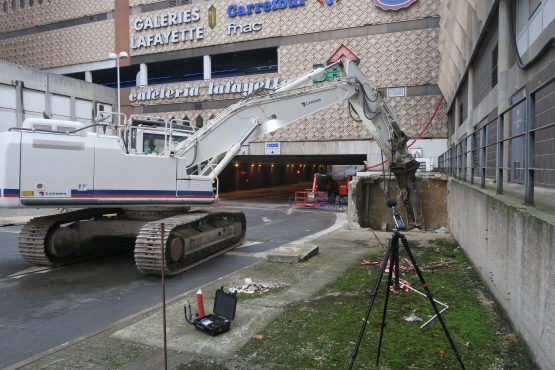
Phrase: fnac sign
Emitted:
{"points": [[393, 4], [332, 73]]}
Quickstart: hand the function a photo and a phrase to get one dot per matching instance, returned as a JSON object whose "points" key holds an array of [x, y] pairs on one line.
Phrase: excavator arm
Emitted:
{"points": [[379, 119], [266, 112]]}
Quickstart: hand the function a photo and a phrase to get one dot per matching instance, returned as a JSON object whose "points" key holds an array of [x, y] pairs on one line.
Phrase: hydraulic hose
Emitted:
{"points": [[419, 135]]}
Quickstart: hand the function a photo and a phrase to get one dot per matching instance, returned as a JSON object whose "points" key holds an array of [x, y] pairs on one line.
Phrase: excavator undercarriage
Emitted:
{"points": [[190, 238]]}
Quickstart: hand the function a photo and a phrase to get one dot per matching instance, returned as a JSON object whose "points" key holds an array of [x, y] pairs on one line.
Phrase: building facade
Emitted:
{"points": [[29, 93], [497, 73], [496, 56], [189, 60]]}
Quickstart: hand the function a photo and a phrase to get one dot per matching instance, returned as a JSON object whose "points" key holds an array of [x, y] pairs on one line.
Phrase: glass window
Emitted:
{"points": [[243, 63], [190, 69], [108, 77], [153, 144], [494, 55], [533, 5], [199, 121], [395, 92]]}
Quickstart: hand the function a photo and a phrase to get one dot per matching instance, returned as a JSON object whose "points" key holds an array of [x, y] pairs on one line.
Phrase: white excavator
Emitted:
{"points": [[124, 192]]}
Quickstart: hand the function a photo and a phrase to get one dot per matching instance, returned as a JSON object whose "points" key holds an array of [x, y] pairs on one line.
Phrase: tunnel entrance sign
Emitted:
{"points": [[272, 148]]}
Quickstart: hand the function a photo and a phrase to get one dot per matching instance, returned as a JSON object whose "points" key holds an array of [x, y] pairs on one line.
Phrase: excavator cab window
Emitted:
{"points": [[152, 144]]}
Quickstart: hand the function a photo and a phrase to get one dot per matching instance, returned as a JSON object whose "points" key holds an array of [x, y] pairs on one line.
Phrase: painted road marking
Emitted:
{"points": [[31, 270]]}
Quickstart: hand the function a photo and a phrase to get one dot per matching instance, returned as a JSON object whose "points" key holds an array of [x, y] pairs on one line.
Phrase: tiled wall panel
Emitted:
{"points": [[50, 11], [390, 59], [311, 18], [73, 45]]}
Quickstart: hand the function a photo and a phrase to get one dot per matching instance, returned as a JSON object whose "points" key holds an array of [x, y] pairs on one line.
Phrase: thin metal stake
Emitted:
{"points": [[162, 270]]}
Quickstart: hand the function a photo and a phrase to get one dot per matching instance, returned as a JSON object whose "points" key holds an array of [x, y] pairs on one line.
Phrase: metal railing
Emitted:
{"points": [[485, 151]]}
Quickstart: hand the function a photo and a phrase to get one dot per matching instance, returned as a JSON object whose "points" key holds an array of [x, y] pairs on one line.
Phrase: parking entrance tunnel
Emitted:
{"points": [[255, 172]]}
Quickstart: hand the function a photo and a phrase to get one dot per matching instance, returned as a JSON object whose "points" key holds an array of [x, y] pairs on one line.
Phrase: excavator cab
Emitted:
{"points": [[154, 136]]}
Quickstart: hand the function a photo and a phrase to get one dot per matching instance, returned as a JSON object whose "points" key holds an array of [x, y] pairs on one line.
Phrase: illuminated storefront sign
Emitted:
{"points": [[212, 88], [393, 4], [179, 18], [234, 29], [235, 10]]}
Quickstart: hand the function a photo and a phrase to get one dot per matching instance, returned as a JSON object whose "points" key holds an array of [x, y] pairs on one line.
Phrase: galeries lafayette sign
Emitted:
{"points": [[159, 35]]}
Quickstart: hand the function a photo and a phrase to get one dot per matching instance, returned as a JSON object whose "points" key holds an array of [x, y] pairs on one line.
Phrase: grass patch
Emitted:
{"points": [[320, 332]]}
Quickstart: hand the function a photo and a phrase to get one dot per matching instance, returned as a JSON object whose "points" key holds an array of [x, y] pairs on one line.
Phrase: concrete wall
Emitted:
{"points": [[26, 92], [513, 248], [367, 200]]}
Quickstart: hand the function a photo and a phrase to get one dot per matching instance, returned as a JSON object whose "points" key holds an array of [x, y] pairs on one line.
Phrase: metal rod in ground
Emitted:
{"points": [[373, 295], [431, 299], [162, 270]]}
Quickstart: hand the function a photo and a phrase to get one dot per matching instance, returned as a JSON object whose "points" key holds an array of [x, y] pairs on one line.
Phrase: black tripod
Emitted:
{"points": [[392, 257]]}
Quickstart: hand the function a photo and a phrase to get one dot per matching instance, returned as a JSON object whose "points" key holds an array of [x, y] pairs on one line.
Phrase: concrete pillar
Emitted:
{"points": [[458, 120], [19, 109], [122, 12], [48, 97], [88, 76], [470, 97], [207, 62], [142, 76], [505, 60], [279, 60], [470, 119], [72, 111]]}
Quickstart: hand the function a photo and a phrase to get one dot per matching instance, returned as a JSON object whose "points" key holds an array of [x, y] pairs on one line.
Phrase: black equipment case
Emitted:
{"points": [[225, 305]]}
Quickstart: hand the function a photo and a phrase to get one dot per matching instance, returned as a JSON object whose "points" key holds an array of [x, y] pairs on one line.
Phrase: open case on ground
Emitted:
{"points": [[219, 321]]}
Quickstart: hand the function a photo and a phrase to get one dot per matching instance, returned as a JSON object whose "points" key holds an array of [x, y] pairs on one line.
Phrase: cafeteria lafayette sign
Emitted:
{"points": [[212, 88]]}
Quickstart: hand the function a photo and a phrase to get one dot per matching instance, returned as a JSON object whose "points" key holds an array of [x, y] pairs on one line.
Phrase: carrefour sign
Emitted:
{"points": [[393, 4], [235, 10]]}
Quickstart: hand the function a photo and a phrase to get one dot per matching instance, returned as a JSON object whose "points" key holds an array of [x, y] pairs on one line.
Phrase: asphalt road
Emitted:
{"points": [[44, 308]]}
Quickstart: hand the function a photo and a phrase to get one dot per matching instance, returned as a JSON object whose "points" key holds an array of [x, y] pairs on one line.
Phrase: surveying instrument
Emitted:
{"points": [[391, 261]]}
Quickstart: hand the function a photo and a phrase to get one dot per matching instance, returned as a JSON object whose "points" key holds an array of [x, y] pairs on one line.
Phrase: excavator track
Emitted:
{"points": [[189, 240], [34, 235]]}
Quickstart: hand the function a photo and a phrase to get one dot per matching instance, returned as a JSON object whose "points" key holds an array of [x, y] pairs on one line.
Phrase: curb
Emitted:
{"points": [[13, 224]]}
